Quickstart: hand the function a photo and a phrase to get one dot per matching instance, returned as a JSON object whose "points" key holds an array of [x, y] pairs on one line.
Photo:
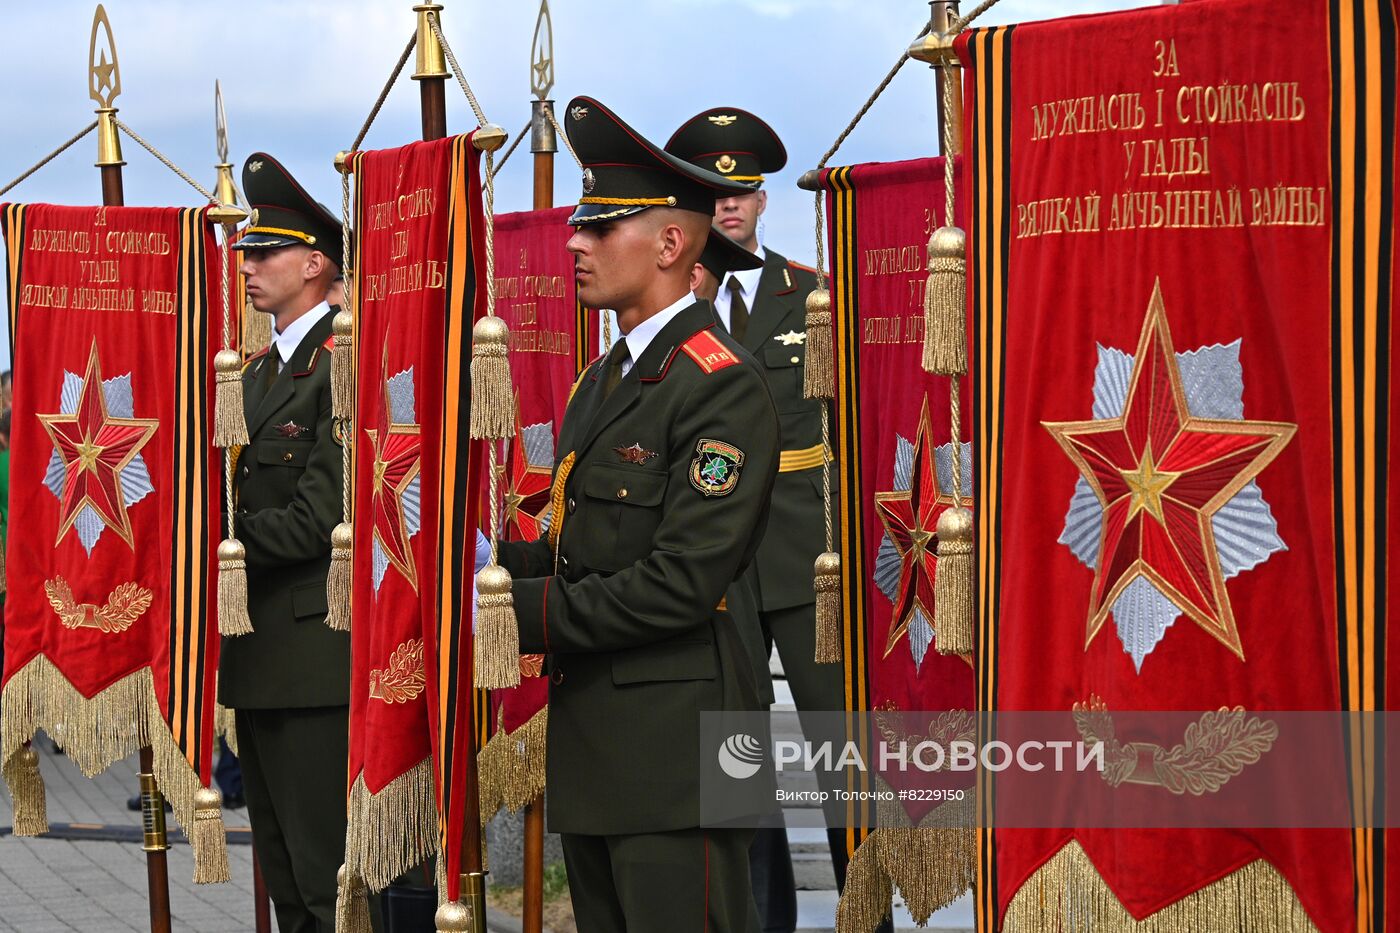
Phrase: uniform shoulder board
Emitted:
{"points": [[798, 265], [329, 345], [579, 381], [253, 358], [708, 353]]}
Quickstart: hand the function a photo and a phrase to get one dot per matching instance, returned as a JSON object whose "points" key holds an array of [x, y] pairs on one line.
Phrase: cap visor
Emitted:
{"points": [[598, 213], [264, 241]]}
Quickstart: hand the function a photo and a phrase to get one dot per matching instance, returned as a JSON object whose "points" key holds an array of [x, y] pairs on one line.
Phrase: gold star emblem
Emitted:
{"points": [[1146, 484], [103, 71], [792, 338]]}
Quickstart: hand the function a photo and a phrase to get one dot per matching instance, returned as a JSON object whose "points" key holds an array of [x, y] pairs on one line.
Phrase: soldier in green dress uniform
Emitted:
{"points": [[666, 459], [765, 310], [289, 680]]}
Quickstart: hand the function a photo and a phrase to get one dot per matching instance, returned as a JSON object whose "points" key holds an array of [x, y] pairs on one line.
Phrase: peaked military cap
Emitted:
{"points": [[731, 142], [722, 254], [624, 173], [283, 213]]}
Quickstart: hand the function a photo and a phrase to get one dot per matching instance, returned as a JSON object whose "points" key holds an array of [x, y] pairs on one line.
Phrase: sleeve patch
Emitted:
{"points": [[708, 353], [715, 469]]}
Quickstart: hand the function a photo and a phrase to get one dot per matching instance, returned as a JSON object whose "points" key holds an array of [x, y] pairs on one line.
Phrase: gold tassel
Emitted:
{"points": [[343, 366], [230, 425], [945, 303], [351, 903], [207, 838], [819, 372], [866, 900], [26, 785], [257, 329], [953, 584], [496, 649], [452, 917], [493, 407], [827, 583], [338, 578], [233, 589]]}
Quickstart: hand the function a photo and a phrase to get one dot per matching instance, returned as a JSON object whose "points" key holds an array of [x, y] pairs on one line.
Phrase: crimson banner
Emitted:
{"points": [[1181, 247], [110, 632], [893, 431]]}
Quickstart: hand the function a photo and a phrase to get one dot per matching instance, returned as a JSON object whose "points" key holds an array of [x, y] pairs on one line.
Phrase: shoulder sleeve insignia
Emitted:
{"points": [[708, 353], [715, 469]]}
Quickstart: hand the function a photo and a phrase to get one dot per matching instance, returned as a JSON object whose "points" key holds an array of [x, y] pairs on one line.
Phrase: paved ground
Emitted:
{"points": [[65, 882]]}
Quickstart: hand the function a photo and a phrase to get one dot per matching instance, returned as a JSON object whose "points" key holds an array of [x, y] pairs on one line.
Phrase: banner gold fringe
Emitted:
{"points": [[257, 330], [827, 583], [819, 370], [932, 864], [945, 303], [953, 583], [390, 832], [233, 589], [866, 900], [496, 648], [26, 785], [94, 732], [338, 578], [225, 724], [510, 768], [493, 402], [1067, 892], [207, 838], [351, 903]]}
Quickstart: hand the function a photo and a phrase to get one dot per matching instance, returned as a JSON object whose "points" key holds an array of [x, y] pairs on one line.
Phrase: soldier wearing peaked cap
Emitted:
{"points": [[666, 458], [765, 310], [289, 680]]}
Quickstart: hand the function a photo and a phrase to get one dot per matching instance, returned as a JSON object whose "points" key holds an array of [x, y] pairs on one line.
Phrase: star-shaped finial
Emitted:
{"points": [[1160, 474], [103, 70], [94, 449]]}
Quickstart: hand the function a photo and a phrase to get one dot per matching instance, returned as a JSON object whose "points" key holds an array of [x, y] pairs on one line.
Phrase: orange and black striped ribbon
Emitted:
{"points": [[12, 225], [841, 207], [989, 133], [194, 481], [1362, 47]]}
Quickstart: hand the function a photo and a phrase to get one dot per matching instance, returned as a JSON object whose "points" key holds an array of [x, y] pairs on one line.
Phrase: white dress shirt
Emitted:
{"points": [[287, 341], [641, 336], [748, 288]]}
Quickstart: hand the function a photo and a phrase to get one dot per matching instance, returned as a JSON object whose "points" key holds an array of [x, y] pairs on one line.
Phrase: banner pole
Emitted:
{"points": [[544, 144], [104, 84], [430, 72], [950, 118]]}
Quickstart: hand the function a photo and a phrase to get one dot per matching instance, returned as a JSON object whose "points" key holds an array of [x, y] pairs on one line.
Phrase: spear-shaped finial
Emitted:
{"points": [[542, 54], [226, 211], [542, 136], [104, 84]]}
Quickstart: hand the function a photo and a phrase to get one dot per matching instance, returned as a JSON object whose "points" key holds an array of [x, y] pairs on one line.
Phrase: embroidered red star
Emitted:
{"points": [[527, 492], [95, 448], [1160, 474], [396, 449], [911, 522]]}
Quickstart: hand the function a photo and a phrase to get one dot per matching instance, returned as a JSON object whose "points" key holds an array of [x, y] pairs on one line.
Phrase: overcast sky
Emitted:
{"points": [[299, 78]]}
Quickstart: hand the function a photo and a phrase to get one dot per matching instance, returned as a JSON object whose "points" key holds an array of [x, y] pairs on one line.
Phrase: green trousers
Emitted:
{"points": [[686, 880]]}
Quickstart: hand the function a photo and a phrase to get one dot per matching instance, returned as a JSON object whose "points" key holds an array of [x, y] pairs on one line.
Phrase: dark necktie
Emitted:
{"points": [[738, 311], [612, 367]]}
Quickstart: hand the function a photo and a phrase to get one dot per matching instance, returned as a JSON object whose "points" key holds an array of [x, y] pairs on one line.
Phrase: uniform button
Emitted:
{"points": [[245, 471], [572, 505], [797, 359], [556, 678], [622, 493], [287, 457]]}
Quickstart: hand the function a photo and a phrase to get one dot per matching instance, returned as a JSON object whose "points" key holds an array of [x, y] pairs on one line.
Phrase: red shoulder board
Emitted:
{"points": [[708, 353], [330, 342], [254, 357], [798, 265]]}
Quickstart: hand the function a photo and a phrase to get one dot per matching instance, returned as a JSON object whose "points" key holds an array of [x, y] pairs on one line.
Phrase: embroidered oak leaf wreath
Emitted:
{"points": [[1166, 508], [905, 564]]}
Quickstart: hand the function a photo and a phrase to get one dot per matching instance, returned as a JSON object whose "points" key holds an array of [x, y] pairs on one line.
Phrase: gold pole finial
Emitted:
{"points": [[104, 84], [227, 211], [542, 54], [430, 62]]}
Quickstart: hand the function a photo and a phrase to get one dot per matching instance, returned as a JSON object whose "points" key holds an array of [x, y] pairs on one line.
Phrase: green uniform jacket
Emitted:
{"points": [[636, 644], [288, 499], [796, 525]]}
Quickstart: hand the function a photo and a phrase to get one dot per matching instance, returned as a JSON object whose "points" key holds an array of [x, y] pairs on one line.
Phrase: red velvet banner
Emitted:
{"points": [[114, 506], [1179, 452], [893, 431]]}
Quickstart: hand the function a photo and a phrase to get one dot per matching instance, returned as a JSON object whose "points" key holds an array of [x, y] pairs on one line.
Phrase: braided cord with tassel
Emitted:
{"points": [[230, 432], [338, 579]]}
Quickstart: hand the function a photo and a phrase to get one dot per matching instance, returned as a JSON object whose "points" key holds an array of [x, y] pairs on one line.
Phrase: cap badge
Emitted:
{"points": [[720, 119], [726, 163], [253, 218], [578, 113], [589, 181], [255, 166]]}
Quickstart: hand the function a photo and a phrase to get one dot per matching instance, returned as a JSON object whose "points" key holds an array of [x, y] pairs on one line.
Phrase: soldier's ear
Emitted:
{"points": [[762, 201]]}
